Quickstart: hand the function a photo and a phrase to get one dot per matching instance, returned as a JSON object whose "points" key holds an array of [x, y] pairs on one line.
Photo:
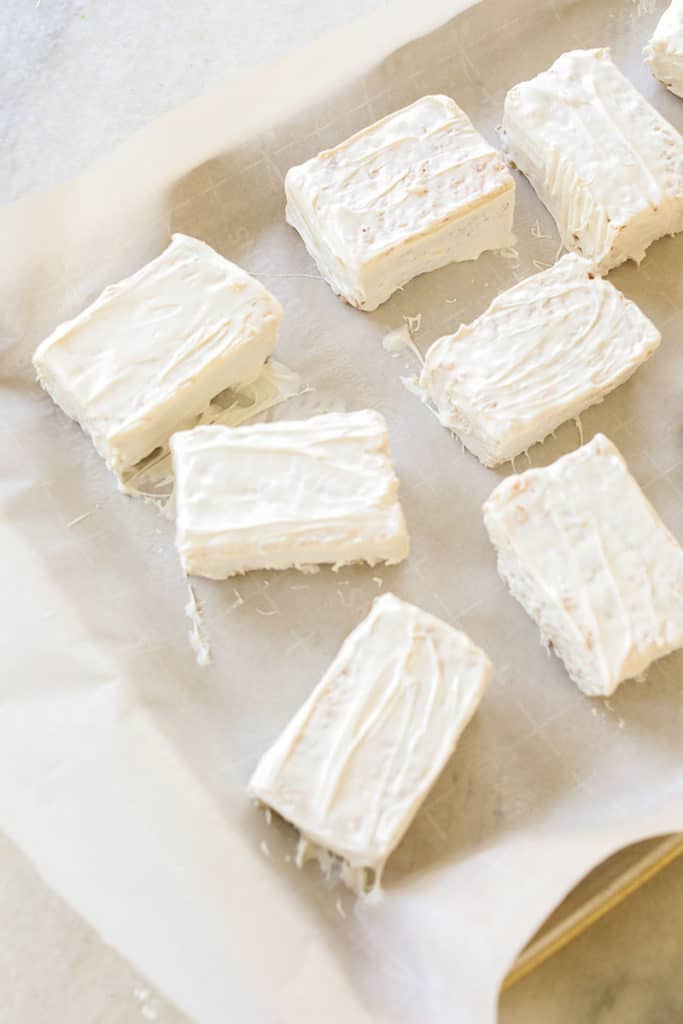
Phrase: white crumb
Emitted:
{"points": [[414, 322], [265, 849], [84, 515], [198, 640], [579, 427], [537, 230], [339, 906], [399, 340]]}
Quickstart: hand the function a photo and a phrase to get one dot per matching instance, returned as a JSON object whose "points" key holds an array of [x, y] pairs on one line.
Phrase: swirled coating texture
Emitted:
{"points": [[149, 354], [356, 761], [287, 494], [664, 52], [585, 553], [415, 191], [542, 352], [605, 163]]}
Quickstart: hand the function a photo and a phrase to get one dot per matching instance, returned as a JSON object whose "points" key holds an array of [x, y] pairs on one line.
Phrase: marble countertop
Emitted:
{"points": [[78, 77], [626, 969]]}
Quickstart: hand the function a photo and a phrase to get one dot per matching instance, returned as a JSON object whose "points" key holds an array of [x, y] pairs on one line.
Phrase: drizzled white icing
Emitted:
{"points": [[410, 193], [587, 556], [605, 163], [148, 356], [664, 52], [542, 352], [354, 764], [276, 495]]}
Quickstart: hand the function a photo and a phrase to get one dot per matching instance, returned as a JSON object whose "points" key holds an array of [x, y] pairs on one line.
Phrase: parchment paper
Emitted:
{"points": [[122, 763]]}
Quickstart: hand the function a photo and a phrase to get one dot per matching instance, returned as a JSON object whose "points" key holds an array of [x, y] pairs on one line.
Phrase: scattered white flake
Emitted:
{"points": [[644, 6], [607, 704], [540, 265], [84, 515], [620, 723], [339, 906], [594, 712], [269, 816], [579, 427], [239, 600], [510, 253], [304, 851], [537, 230], [378, 580], [309, 570], [451, 301], [414, 323], [198, 640], [265, 849], [399, 340], [150, 1006], [267, 611]]}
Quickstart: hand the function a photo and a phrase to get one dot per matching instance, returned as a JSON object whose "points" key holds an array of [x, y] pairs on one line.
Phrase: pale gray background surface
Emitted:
{"points": [[76, 78]]}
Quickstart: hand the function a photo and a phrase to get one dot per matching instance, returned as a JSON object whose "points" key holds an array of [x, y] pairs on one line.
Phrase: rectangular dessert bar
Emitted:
{"points": [[147, 356], [415, 191], [542, 352], [356, 761], [586, 555], [287, 494], [664, 52], [605, 163]]}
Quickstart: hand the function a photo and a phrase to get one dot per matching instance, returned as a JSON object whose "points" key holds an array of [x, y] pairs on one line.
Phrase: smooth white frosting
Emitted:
{"points": [[587, 556], [664, 52], [412, 192], [605, 163], [542, 352], [151, 352], [354, 764], [287, 494]]}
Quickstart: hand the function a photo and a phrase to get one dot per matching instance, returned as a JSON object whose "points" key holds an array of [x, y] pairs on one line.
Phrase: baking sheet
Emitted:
{"points": [[123, 763]]}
